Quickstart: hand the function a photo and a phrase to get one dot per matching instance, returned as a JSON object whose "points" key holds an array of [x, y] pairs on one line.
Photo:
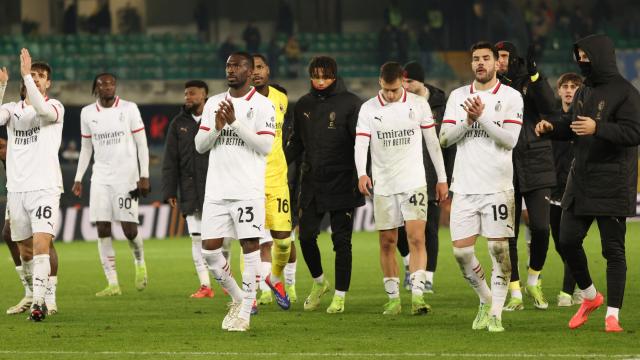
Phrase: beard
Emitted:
{"points": [[489, 75], [192, 108]]}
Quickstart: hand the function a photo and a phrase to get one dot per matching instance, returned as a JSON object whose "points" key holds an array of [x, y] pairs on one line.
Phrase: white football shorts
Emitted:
{"points": [[33, 212], [488, 215], [113, 203], [391, 211], [237, 219]]}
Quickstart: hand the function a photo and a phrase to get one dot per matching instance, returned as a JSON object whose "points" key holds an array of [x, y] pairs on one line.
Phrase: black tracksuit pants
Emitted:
{"points": [[431, 236], [568, 282], [573, 229], [538, 209], [342, 229]]}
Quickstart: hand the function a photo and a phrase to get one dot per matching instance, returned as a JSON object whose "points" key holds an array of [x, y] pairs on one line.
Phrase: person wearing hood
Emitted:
{"points": [[414, 83], [605, 128], [324, 132], [533, 168], [185, 169]]}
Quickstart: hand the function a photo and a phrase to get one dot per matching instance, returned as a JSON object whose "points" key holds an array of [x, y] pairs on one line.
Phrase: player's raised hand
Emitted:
{"points": [[25, 62], [173, 202], [364, 185], [442, 191], [144, 186], [220, 123], [543, 127], [4, 76], [77, 189]]}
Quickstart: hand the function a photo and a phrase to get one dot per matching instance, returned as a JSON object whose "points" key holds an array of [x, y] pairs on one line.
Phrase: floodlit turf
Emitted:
{"points": [[163, 322]]}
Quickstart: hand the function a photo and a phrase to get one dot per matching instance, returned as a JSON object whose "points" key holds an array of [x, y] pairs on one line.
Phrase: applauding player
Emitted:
{"points": [[237, 127], [484, 120]]}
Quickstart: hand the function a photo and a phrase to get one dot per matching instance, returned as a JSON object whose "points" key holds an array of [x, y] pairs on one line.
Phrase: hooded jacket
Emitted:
{"points": [[603, 177], [183, 167], [324, 132], [533, 156]]}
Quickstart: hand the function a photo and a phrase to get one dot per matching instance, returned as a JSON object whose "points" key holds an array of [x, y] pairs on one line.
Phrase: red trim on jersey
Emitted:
{"points": [[57, 114], [115, 104], [137, 130], [512, 122], [363, 134], [380, 99], [250, 95], [471, 88], [264, 132], [497, 88], [450, 121], [97, 107], [404, 97], [204, 128], [86, 136], [46, 98], [427, 126]]}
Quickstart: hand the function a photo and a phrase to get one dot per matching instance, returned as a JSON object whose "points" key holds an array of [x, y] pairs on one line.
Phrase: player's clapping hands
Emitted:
{"points": [[227, 112], [474, 108]]}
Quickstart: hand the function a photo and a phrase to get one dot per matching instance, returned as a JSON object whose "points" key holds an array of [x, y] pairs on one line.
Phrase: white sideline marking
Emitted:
{"points": [[344, 355]]}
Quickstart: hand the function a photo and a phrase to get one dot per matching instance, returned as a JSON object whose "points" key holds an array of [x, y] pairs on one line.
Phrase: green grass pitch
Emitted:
{"points": [[162, 322]]}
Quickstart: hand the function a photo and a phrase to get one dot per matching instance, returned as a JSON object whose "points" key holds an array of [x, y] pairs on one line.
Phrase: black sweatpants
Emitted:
{"points": [[573, 229], [555, 214], [342, 229], [431, 236], [538, 209]]}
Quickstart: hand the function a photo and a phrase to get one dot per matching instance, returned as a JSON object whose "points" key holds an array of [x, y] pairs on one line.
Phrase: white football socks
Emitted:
{"points": [[472, 272], [392, 287], [41, 269], [137, 247], [290, 273], [221, 271], [249, 283], [500, 276], [50, 294], [198, 260], [108, 259]]}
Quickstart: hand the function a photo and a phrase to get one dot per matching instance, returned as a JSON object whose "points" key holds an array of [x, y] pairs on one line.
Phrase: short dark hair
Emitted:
{"points": [[261, 57], [199, 84], [95, 80], [391, 71], [326, 63], [566, 77], [43, 66], [245, 55], [485, 45]]}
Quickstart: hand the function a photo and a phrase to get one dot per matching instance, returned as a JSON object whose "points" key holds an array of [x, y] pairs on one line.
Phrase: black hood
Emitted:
{"points": [[517, 68], [336, 88], [602, 54], [437, 97]]}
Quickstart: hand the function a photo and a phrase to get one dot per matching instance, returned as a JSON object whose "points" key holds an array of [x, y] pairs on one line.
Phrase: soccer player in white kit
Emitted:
{"points": [[113, 129], [392, 124], [238, 128], [484, 120], [34, 178]]}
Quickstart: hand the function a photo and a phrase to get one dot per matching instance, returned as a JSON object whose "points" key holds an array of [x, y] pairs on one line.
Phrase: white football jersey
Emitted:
{"points": [[32, 148], [114, 150], [236, 171], [396, 141], [481, 165]]}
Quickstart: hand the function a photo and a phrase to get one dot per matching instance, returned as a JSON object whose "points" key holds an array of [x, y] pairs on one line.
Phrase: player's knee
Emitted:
{"points": [[283, 244], [104, 229], [6, 234], [464, 254], [130, 230]]}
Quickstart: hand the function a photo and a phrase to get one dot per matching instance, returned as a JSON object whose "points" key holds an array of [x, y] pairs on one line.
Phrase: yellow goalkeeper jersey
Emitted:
{"points": [[276, 174]]}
